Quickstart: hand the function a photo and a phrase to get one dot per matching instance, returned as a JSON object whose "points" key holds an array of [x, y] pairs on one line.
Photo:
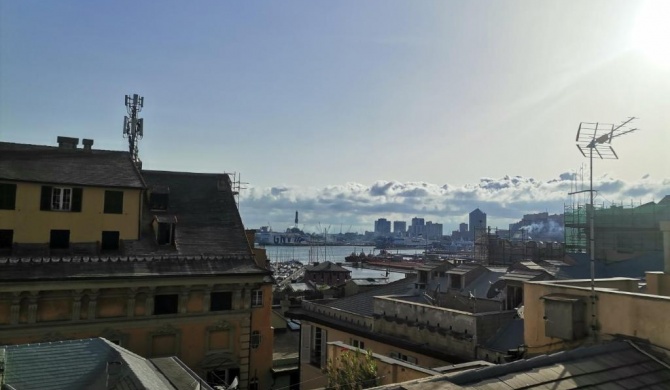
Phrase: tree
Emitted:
{"points": [[352, 370]]}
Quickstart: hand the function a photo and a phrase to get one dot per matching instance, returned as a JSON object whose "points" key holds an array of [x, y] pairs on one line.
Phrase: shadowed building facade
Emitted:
{"points": [[158, 262]]}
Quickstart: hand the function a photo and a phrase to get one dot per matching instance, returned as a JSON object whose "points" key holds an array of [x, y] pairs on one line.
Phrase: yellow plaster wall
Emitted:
{"points": [[261, 357], [33, 226], [644, 316], [388, 372]]}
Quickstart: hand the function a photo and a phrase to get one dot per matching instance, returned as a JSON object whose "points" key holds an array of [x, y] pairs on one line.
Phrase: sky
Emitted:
{"points": [[350, 111]]}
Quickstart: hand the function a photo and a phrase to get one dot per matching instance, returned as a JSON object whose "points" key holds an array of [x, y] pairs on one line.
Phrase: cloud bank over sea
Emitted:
{"points": [[354, 207]]}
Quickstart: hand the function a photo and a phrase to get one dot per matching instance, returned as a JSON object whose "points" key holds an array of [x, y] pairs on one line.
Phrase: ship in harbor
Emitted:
{"points": [[292, 236]]}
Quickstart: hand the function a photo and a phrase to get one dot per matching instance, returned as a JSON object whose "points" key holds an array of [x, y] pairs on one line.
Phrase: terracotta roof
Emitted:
{"points": [[52, 165]]}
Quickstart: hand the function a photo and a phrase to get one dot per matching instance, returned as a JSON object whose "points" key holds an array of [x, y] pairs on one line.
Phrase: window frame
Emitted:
{"points": [[164, 297], [255, 339], [61, 198], [256, 298], [224, 304]]}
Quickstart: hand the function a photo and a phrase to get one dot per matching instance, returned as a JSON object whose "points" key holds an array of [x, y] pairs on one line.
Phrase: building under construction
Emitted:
{"points": [[621, 232]]}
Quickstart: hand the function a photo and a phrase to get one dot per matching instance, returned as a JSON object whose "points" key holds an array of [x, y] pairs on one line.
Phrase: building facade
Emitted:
{"points": [[399, 228], [477, 219], [382, 227], [156, 261]]}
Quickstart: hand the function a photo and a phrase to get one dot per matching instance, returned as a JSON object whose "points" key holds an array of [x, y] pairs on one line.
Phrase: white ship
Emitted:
{"points": [[292, 236]]}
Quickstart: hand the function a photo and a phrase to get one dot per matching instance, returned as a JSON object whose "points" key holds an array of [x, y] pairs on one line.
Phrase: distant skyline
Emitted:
{"points": [[351, 111]]}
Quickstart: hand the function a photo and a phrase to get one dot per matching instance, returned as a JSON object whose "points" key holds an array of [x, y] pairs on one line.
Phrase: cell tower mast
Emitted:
{"points": [[133, 127]]}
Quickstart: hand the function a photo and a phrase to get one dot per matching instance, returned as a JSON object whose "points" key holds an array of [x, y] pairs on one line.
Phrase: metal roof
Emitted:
{"points": [[83, 364]]}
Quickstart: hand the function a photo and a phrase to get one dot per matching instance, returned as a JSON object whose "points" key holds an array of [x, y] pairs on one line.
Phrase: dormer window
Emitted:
{"points": [[158, 201], [164, 228]]}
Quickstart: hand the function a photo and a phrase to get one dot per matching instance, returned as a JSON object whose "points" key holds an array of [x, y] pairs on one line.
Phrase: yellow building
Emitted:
{"points": [[179, 277], [568, 313], [67, 200]]}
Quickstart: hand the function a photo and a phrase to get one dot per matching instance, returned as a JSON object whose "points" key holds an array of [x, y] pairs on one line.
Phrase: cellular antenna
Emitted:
{"points": [[133, 127]]}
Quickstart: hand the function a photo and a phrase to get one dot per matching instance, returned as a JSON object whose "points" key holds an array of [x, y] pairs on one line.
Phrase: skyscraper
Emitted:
{"points": [[382, 227], [399, 227], [477, 222]]}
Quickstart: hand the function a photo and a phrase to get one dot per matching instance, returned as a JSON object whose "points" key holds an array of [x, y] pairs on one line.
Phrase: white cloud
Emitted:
{"points": [[355, 206]]}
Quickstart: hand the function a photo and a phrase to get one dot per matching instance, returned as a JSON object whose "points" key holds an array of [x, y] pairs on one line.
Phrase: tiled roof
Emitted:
{"points": [[83, 364], [126, 267], [625, 366], [52, 165], [326, 266], [613, 365], [208, 221]]}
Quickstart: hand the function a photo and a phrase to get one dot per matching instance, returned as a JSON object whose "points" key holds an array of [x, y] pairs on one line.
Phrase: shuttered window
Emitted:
{"points": [[7, 196], [61, 199], [113, 202]]}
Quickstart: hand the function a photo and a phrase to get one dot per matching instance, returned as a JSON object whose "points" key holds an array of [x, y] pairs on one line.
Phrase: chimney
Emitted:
{"points": [[67, 142], [87, 144]]}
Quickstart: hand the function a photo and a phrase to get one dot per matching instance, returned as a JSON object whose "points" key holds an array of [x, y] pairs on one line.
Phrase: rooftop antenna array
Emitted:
{"points": [[237, 186], [133, 127], [596, 138]]}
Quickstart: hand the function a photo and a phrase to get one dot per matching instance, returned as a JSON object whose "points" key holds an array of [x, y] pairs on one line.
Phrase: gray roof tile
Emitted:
{"points": [[51, 165]]}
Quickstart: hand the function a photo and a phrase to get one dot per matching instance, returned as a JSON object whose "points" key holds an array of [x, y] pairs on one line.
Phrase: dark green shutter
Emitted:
{"points": [[113, 202], [76, 199], [45, 199], [7, 196]]}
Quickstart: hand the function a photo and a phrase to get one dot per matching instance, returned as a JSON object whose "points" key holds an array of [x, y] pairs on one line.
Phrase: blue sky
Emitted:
{"points": [[303, 97]]}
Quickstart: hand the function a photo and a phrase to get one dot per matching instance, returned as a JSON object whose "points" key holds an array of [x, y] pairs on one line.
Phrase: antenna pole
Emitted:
{"points": [[597, 137], [133, 127]]}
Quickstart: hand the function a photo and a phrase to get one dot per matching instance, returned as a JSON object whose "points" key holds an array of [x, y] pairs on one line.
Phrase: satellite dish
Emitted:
{"points": [[519, 311]]}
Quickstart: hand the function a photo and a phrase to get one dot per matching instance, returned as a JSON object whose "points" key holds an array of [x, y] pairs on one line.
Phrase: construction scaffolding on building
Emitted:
{"points": [[620, 231]]}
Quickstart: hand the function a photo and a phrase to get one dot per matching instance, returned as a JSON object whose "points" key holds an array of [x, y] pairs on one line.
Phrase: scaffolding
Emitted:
{"points": [[620, 231]]}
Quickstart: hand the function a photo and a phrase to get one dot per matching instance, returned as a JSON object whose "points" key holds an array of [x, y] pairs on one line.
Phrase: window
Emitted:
{"points": [[113, 202], [255, 339], [256, 298], [358, 344], [222, 377], [7, 196], [158, 201], [221, 301], [59, 239], [564, 317], [317, 347], [456, 281], [61, 199], [166, 304], [110, 241], [165, 233], [6, 238], [403, 357]]}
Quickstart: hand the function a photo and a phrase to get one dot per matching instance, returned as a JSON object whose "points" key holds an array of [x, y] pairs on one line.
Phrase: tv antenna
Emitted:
{"points": [[133, 127], [596, 138]]}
